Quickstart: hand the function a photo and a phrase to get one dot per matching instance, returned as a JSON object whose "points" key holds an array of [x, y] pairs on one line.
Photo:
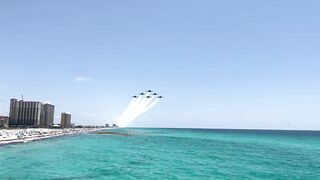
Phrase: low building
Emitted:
{"points": [[56, 126], [65, 120], [4, 121], [72, 125]]}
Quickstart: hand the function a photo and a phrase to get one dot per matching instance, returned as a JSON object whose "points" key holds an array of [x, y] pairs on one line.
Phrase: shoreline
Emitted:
{"points": [[18, 136]]}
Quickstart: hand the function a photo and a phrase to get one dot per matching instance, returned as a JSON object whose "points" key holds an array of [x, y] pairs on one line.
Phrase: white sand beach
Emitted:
{"points": [[8, 136]]}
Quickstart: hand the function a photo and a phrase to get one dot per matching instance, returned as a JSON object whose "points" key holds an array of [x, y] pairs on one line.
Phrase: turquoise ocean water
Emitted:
{"points": [[167, 154]]}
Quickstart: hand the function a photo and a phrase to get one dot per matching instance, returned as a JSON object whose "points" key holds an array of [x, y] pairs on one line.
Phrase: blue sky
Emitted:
{"points": [[219, 64]]}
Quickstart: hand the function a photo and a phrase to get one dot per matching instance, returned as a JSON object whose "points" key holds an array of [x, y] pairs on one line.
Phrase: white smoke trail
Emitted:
{"points": [[145, 109], [151, 99], [139, 99], [124, 114], [143, 104], [151, 105], [140, 104], [134, 109]]}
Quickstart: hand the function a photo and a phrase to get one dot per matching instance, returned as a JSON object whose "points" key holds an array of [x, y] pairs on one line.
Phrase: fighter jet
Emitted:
{"points": [[155, 94], [160, 97], [148, 96], [149, 91], [134, 96], [141, 93]]}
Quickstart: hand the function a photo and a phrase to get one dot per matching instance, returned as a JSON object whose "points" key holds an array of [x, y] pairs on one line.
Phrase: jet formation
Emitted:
{"points": [[139, 104], [148, 91]]}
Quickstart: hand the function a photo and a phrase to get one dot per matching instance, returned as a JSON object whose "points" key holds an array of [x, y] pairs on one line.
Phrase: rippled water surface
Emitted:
{"points": [[167, 154]]}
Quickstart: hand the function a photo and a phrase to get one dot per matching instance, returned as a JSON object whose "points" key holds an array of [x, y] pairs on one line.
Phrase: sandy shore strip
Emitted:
{"points": [[10, 136]]}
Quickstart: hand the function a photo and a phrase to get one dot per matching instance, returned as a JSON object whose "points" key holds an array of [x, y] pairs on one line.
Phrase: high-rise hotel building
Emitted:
{"points": [[30, 114], [47, 115], [65, 120]]}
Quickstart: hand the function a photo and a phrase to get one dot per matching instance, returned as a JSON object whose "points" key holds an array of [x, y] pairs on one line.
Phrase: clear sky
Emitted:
{"points": [[219, 64]]}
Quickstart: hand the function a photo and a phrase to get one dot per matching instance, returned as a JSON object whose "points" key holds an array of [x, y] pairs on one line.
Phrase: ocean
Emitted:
{"points": [[151, 153]]}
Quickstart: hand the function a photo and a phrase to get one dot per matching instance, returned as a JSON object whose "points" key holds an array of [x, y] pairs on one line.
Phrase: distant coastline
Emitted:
{"points": [[17, 136]]}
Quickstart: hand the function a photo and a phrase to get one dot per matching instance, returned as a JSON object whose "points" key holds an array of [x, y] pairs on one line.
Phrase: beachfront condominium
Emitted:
{"points": [[30, 114], [47, 115], [65, 120]]}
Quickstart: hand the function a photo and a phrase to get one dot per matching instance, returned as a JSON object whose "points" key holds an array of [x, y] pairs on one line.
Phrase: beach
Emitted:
{"points": [[9, 136]]}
